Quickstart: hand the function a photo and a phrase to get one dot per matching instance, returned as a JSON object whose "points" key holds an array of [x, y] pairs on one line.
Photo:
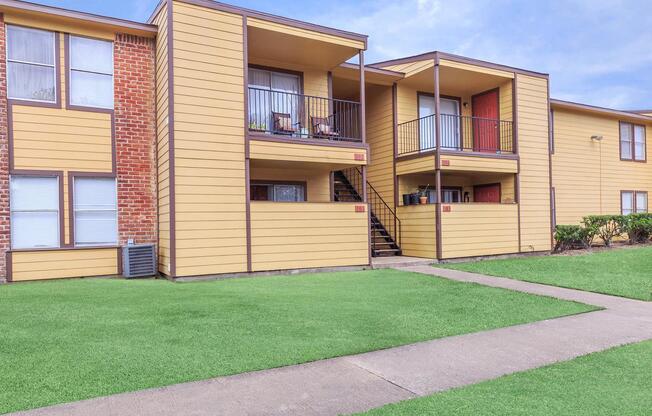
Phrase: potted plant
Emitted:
{"points": [[414, 198], [260, 127], [423, 195]]}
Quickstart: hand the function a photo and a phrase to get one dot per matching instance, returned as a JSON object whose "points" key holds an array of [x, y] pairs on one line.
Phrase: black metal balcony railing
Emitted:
{"points": [[461, 133], [303, 116]]}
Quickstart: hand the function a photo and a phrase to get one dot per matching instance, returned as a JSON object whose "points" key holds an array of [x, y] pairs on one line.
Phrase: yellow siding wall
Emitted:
{"points": [[58, 139], [418, 230], [300, 152], [478, 164], [479, 230], [587, 175], [406, 104], [304, 235], [62, 140], [380, 137], [54, 264], [209, 141], [163, 142], [506, 101], [532, 93], [317, 181], [415, 165]]}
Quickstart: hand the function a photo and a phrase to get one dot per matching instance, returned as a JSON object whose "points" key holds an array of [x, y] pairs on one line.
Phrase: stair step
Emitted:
{"points": [[387, 250]]}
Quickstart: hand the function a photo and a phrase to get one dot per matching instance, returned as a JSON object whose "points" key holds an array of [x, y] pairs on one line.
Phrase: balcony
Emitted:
{"points": [[298, 116], [458, 134]]}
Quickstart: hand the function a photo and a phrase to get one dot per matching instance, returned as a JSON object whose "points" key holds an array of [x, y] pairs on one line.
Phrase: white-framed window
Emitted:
{"points": [[91, 72], [34, 212], [31, 66], [95, 211], [632, 142], [633, 202]]}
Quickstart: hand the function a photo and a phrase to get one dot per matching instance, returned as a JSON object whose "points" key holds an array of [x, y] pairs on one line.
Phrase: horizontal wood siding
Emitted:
{"points": [[416, 165], [407, 105], [299, 152], [589, 175], [478, 164], [418, 230], [479, 230], [59, 139], [57, 264], [209, 141], [380, 137], [162, 141], [304, 235], [532, 93]]}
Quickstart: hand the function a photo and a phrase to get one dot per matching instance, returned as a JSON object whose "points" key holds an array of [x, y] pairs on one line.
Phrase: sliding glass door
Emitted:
{"points": [[272, 92], [450, 122]]}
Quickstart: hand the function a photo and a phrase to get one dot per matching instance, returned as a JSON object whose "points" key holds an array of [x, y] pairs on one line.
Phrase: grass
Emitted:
{"points": [[620, 272], [69, 340], [613, 382]]}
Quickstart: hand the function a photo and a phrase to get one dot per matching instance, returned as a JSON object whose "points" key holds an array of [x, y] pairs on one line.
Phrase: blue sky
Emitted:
{"points": [[596, 51]]}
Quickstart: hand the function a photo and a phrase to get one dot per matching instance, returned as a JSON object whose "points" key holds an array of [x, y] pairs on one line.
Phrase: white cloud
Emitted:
{"points": [[595, 51]]}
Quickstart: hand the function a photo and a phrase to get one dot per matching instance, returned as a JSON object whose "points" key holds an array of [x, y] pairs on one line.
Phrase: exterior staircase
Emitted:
{"points": [[385, 226]]}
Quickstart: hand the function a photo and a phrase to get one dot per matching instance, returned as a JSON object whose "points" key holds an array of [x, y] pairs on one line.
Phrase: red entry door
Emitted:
{"points": [[486, 137], [487, 193]]}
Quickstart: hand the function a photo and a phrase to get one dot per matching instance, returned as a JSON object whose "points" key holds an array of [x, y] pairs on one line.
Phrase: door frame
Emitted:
{"points": [[500, 192], [473, 97]]}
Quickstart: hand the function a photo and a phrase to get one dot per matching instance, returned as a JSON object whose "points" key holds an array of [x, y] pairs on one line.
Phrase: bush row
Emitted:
{"points": [[637, 228]]}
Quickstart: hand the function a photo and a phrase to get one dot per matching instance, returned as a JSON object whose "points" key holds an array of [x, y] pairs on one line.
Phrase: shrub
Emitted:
{"points": [[607, 227], [638, 227], [572, 236]]}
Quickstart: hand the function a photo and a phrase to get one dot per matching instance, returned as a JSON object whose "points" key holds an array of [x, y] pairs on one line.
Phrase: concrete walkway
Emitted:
{"points": [[357, 383]]}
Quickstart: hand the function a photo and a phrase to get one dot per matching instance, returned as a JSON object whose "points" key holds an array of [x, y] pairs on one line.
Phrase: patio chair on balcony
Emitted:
{"points": [[283, 123], [323, 128]]}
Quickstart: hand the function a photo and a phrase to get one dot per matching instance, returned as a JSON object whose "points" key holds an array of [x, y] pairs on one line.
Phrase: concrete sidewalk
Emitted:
{"points": [[361, 382]]}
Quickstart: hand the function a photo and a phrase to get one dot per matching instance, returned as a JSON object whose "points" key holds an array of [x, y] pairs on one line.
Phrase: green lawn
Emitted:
{"points": [[69, 340], [613, 382], [621, 272]]}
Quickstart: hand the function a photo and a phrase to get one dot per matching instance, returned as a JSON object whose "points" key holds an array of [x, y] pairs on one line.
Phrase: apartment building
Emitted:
{"points": [[236, 141], [76, 127]]}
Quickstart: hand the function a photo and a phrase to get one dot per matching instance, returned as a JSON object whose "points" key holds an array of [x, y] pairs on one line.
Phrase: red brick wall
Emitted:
{"points": [[4, 159], [135, 138]]}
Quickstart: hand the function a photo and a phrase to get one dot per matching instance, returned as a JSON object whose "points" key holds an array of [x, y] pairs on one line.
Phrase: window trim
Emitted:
{"points": [[72, 176], [68, 69], [634, 207], [632, 128], [56, 67], [277, 182], [60, 209]]}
